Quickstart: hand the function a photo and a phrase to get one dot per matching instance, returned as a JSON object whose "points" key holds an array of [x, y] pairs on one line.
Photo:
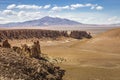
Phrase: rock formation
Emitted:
{"points": [[14, 65], [17, 67], [80, 34], [35, 50], [31, 33]]}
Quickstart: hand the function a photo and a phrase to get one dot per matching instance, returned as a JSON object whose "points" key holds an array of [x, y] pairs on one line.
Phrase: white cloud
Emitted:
{"points": [[2, 19], [8, 12], [21, 14], [92, 6], [56, 8], [7, 16], [89, 5], [65, 7], [47, 6], [99, 8], [28, 7], [12, 6], [75, 6], [114, 19], [27, 15]]}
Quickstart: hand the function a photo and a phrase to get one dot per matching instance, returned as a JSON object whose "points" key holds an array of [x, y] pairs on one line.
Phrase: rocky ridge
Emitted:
{"points": [[34, 33]]}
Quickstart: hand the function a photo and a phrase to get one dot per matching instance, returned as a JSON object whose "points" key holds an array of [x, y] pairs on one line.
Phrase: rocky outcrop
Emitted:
{"points": [[31, 33], [80, 34], [34, 33], [35, 50], [15, 65]]}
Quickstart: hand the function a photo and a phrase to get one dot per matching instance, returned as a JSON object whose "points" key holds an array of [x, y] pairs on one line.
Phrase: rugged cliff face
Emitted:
{"points": [[16, 65], [31, 33]]}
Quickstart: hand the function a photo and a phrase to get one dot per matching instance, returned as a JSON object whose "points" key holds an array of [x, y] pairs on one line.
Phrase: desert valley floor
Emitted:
{"points": [[87, 59]]}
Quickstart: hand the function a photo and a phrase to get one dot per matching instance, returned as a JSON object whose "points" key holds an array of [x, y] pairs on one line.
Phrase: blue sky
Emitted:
{"points": [[84, 11]]}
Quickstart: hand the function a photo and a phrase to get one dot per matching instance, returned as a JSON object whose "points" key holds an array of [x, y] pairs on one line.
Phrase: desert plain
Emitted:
{"points": [[97, 58]]}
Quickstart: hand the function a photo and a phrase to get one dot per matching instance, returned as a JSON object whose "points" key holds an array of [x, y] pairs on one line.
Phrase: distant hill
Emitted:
{"points": [[45, 21], [117, 24]]}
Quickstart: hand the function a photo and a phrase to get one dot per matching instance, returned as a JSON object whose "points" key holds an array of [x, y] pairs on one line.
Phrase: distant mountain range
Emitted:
{"points": [[45, 21]]}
